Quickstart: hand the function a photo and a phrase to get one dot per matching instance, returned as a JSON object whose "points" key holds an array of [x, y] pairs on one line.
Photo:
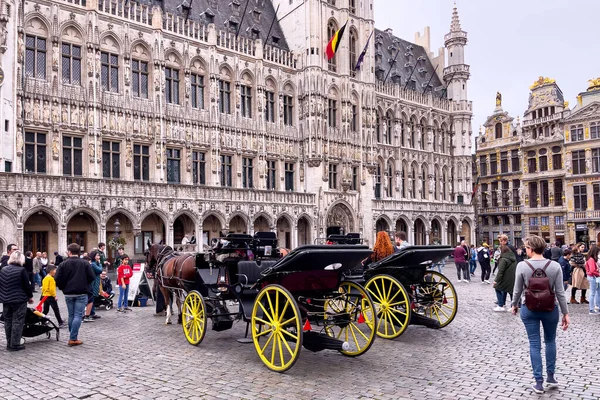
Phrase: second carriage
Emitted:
{"points": [[288, 303]]}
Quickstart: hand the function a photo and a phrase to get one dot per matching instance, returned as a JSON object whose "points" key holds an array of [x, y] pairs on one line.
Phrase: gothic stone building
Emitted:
{"points": [[154, 120]]}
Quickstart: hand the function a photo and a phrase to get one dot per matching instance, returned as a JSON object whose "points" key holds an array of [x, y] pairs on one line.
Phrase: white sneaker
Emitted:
{"points": [[467, 281], [460, 280], [486, 281], [499, 309]]}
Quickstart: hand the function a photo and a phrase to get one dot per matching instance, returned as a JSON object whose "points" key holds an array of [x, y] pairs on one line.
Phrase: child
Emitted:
{"points": [[124, 272], [49, 289]]}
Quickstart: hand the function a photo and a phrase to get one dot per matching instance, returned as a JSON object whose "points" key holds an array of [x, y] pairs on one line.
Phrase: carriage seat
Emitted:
{"points": [[252, 270]]}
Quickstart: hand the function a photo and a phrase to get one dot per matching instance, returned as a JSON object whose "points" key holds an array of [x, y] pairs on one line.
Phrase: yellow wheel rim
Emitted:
{"points": [[359, 331], [444, 306], [392, 305], [193, 318], [276, 328]]}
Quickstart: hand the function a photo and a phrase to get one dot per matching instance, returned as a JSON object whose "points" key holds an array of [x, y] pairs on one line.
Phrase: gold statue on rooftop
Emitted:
{"points": [[498, 99], [541, 81], [594, 84]]}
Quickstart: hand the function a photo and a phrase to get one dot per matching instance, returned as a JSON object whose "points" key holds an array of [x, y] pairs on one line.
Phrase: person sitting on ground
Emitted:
{"points": [[505, 280], [383, 247], [49, 291]]}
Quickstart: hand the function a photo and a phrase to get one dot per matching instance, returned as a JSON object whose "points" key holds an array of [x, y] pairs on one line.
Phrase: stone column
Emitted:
{"points": [[62, 238], [169, 239]]}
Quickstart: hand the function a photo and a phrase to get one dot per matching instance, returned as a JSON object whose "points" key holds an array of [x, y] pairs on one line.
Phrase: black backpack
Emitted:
{"points": [[539, 295]]}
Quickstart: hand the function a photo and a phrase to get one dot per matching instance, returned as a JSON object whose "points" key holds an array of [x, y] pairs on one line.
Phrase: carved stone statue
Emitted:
{"points": [[90, 63], [36, 111], [55, 147], [19, 142], [46, 119], [187, 86], [82, 116], [21, 48], [75, 115], [127, 73], [64, 114], [498, 99], [55, 119], [91, 152], [128, 153]]}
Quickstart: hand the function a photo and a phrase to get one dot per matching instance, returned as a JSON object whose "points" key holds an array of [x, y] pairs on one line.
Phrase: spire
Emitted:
{"points": [[455, 25]]}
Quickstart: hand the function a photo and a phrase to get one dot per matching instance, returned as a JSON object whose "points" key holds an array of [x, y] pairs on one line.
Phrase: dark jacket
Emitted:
{"points": [[4, 261], [547, 254], [481, 257], [14, 285], [74, 276], [556, 253], [566, 268], [28, 265], [107, 285], [507, 268], [58, 260], [97, 268]]}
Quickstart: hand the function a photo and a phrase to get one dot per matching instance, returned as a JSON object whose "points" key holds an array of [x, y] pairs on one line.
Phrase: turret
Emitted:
{"points": [[456, 74]]}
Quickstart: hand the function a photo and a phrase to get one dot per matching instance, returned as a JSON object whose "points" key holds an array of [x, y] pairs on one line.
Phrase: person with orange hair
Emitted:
{"points": [[383, 248]]}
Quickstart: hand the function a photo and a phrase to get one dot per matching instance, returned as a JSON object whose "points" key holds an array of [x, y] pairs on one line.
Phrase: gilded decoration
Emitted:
{"points": [[540, 82], [594, 85]]}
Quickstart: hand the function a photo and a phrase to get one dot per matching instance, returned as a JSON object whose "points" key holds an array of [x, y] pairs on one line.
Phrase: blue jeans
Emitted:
{"points": [[501, 297], [473, 265], [549, 320], [37, 279], [76, 308], [123, 294], [594, 295]]}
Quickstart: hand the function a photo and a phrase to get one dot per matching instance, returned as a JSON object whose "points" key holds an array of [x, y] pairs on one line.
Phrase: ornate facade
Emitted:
{"points": [[558, 194], [156, 120]]}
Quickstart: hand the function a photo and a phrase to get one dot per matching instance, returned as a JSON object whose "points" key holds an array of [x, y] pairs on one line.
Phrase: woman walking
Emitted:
{"points": [[505, 280], [593, 276], [15, 293], [535, 246], [578, 280]]}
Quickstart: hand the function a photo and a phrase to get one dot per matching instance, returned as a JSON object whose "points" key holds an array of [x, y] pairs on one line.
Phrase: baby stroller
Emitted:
{"points": [[37, 324], [106, 302]]}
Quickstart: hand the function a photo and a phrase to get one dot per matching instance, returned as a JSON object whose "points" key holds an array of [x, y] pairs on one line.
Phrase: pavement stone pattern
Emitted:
{"points": [[480, 355]]}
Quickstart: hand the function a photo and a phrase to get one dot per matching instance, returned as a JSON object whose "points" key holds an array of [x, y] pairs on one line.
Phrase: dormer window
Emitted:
{"points": [[275, 39]]}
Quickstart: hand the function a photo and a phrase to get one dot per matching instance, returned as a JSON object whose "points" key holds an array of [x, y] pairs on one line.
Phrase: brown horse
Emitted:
{"points": [[174, 274]]}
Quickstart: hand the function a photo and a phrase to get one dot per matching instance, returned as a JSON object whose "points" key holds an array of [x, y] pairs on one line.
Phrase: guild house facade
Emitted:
{"points": [[159, 120]]}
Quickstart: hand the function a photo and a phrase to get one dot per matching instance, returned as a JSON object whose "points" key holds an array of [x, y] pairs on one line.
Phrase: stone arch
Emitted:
{"points": [[163, 216], [383, 223], [437, 230], [465, 232], [141, 45], [246, 76], [174, 57], [66, 31], [403, 224], [288, 87], [420, 231], [185, 224], [47, 210], [10, 214], [226, 72], [217, 214], [212, 225], [451, 231], [188, 213], [341, 215], [264, 215], [92, 213], [127, 213], [284, 225], [105, 42], [198, 64], [262, 222], [304, 229], [271, 83], [333, 91], [44, 24], [158, 226], [238, 223], [83, 226]]}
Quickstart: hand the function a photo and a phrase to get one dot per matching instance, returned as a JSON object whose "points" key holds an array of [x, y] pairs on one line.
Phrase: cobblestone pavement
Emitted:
{"points": [[481, 355]]}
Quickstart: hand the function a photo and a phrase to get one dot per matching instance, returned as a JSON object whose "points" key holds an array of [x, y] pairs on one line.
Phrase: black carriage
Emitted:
{"points": [[288, 303], [406, 291]]}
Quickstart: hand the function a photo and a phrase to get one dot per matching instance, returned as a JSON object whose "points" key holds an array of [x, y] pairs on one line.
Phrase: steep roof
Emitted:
{"points": [[387, 46], [227, 15]]}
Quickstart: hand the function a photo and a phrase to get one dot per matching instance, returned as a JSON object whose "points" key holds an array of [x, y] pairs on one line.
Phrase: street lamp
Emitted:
{"points": [[117, 226]]}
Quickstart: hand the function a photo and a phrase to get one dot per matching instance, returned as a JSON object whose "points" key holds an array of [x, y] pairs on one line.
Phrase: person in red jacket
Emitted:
{"points": [[460, 260], [124, 272], [593, 276]]}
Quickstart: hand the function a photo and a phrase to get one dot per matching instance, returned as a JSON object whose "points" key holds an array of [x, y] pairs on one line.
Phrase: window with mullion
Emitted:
{"points": [[580, 197], [494, 194], [595, 130], [35, 152], [493, 165], [226, 170], [35, 56], [288, 110], [141, 162], [504, 162], [578, 158], [576, 133], [172, 85], [516, 197], [332, 176], [71, 64], [515, 161], [271, 174], [109, 71], [224, 97], [173, 165], [483, 165], [558, 192], [246, 101], [72, 156], [595, 160], [197, 91], [556, 161], [505, 194], [484, 196], [332, 113], [355, 182], [596, 188], [544, 194], [531, 165], [269, 106], [354, 120], [111, 162], [289, 176], [247, 173], [199, 168], [543, 162], [139, 78]]}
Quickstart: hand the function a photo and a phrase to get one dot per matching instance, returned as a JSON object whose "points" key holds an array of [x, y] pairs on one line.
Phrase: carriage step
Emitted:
{"points": [[315, 341], [418, 319]]}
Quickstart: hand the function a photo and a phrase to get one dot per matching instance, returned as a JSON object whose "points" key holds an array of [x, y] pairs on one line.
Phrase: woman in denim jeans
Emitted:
{"points": [[535, 246], [593, 276]]}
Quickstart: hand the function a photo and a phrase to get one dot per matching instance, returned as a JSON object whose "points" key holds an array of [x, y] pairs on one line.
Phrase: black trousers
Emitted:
{"points": [[31, 280], [485, 271], [51, 302], [14, 319]]}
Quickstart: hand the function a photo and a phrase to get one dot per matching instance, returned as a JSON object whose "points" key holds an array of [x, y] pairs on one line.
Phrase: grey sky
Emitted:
{"points": [[511, 43]]}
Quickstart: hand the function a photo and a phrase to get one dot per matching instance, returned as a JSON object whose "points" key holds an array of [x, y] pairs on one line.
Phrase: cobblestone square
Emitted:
{"points": [[480, 355]]}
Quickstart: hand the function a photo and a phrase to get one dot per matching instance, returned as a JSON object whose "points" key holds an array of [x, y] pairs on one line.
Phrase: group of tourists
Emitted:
{"points": [[81, 278]]}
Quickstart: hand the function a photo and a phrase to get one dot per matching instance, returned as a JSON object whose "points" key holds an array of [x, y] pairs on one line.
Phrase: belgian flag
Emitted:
{"points": [[334, 43]]}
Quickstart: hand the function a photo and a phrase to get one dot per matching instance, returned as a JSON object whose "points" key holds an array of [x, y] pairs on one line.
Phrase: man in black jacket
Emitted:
{"points": [[57, 259], [15, 293], [9, 249], [29, 268], [74, 277]]}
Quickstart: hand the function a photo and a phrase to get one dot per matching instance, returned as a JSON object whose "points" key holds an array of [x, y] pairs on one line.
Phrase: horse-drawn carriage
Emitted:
{"points": [[406, 292], [288, 303]]}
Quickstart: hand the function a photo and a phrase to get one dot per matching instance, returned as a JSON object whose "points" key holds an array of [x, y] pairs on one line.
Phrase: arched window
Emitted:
{"points": [[71, 56], [331, 30], [402, 143], [352, 51], [436, 182], [498, 130], [36, 41], [109, 70], [404, 181], [173, 79], [390, 180], [378, 126], [378, 182], [414, 183], [424, 194], [444, 186], [413, 133], [388, 127], [140, 71]]}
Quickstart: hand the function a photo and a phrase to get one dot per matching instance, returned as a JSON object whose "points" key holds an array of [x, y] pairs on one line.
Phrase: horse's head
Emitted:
{"points": [[152, 257]]}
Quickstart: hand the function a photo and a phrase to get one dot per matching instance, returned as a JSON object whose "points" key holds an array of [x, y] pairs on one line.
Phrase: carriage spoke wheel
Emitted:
{"points": [[276, 328], [359, 329], [193, 316], [392, 305], [444, 302]]}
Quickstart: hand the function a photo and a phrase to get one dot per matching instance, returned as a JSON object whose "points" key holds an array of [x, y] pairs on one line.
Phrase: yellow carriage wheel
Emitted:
{"points": [[276, 328], [392, 305], [358, 331], [193, 317], [444, 305]]}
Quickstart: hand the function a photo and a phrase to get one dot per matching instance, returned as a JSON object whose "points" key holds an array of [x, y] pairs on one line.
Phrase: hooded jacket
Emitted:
{"points": [[507, 268], [483, 256]]}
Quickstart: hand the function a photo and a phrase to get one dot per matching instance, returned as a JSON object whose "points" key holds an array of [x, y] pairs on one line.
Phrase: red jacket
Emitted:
{"points": [[591, 268], [124, 272]]}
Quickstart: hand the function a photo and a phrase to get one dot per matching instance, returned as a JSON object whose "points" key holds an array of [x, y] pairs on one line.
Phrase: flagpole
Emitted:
{"points": [[363, 53], [272, 23], [434, 71], [237, 32], [392, 65]]}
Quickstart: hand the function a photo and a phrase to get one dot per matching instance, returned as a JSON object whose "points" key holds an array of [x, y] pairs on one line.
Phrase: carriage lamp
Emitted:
{"points": [[223, 279]]}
